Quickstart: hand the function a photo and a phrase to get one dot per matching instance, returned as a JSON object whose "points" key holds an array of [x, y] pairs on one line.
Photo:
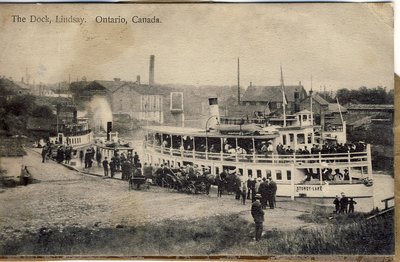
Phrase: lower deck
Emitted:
{"points": [[293, 179]]}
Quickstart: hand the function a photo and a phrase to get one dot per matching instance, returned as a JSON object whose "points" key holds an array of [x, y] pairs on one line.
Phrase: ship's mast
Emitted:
{"points": [[238, 79], [284, 100], [311, 105]]}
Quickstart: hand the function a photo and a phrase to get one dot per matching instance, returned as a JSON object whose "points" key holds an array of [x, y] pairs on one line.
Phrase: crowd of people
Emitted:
{"points": [[266, 188], [344, 204], [260, 147], [129, 165], [61, 153], [325, 149]]}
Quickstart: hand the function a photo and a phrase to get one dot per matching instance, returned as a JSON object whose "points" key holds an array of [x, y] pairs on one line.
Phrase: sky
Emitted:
{"points": [[339, 45]]}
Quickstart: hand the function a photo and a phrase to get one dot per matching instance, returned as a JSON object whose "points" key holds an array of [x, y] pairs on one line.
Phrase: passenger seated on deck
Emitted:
{"points": [[213, 149], [232, 152], [264, 148], [241, 151], [338, 176], [326, 174], [346, 175], [270, 148]]}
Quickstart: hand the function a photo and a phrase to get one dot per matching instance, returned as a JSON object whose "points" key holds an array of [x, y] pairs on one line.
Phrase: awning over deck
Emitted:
{"points": [[196, 132]]}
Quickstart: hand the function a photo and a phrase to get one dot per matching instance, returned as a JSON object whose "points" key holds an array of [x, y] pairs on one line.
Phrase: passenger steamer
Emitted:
{"points": [[239, 148], [76, 134]]}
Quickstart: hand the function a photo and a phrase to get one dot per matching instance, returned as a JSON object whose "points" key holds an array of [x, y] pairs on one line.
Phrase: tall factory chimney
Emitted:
{"points": [[151, 71]]}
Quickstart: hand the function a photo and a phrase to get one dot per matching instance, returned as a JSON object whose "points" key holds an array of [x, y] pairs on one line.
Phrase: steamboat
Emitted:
{"points": [[304, 161], [76, 134]]}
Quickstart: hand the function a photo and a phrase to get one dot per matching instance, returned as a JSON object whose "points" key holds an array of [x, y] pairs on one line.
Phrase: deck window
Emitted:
{"points": [[217, 170], [259, 173], [268, 173], [241, 171], [284, 139], [289, 175], [309, 138], [300, 139], [278, 174], [249, 172], [291, 137]]}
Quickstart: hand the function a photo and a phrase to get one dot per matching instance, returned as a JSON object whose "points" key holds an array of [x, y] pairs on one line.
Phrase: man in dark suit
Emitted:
{"points": [[336, 202], [258, 215], [105, 166], [249, 187], [272, 188], [263, 191], [344, 202]]}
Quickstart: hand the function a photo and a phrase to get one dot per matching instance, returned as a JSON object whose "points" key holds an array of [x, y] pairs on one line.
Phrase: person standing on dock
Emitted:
{"points": [[135, 159], [258, 215], [263, 191], [44, 153], [336, 202], [105, 166], [344, 202], [253, 190], [273, 188], [81, 154], [244, 192], [98, 158], [221, 182], [249, 186], [351, 205], [113, 167]]}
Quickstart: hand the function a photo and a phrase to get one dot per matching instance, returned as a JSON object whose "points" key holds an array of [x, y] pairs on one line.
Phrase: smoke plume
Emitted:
{"points": [[101, 111]]}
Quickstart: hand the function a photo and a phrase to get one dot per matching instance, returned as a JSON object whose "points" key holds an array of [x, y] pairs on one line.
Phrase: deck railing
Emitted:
{"points": [[358, 158]]}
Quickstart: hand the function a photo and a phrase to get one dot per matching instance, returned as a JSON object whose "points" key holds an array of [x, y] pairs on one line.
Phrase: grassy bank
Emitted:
{"points": [[219, 235]]}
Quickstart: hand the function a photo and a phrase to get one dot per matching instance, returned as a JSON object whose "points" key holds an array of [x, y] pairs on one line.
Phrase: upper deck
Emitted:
{"points": [[334, 160], [191, 144]]}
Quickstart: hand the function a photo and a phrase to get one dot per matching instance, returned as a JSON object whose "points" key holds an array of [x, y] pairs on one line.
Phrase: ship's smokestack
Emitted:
{"points": [[214, 108], [109, 129], [151, 70]]}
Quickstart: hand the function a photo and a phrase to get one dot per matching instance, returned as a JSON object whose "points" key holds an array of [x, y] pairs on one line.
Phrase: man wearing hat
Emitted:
{"points": [[258, 216]]}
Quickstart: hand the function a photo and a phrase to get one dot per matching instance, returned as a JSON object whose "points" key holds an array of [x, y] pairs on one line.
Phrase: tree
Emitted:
{"points": [[42, 111], [20, 105], [364, 95]]}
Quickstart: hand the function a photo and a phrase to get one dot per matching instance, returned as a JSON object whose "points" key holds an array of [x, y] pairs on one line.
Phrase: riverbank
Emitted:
{"points": [[224, 235], [62, 199]]}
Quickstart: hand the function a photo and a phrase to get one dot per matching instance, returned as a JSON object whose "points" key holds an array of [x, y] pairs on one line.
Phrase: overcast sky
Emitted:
{"points": [[340, 45]]}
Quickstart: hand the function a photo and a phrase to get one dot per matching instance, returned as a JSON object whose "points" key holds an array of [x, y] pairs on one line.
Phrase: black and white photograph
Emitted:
{"points": [[186, 130]]}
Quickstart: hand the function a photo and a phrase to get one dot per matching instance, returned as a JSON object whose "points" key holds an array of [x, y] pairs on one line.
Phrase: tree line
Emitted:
{"points": [[15, 109], [363, 95]]}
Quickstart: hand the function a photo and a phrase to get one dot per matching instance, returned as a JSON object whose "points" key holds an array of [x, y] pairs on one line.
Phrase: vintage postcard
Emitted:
{"points": [[197, 130]]}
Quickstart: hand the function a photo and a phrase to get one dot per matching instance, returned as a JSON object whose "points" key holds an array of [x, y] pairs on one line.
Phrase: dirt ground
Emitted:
{"points": [[62, 198]]}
